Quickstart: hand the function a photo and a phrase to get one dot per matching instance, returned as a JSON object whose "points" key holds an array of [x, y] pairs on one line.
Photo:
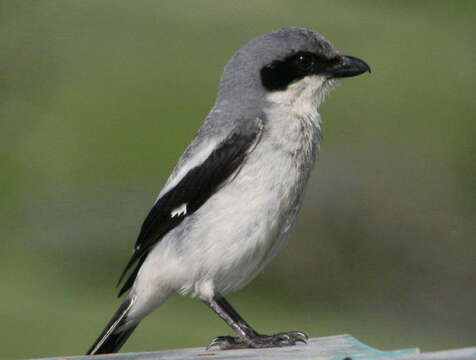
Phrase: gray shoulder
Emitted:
{"points": [[215, 129]]}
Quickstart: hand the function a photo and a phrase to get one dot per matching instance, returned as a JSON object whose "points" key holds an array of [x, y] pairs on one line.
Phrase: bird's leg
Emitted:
{"points": [[247, 336]]}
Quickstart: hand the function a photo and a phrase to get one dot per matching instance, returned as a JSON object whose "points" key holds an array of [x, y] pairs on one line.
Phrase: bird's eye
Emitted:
{"points": [[304, 61], [278, 74]]}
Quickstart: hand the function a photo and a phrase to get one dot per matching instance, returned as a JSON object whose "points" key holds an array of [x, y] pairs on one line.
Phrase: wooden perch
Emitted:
{"points": [[341, 347]]}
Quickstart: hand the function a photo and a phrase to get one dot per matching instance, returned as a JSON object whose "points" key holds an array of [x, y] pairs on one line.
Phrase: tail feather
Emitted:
{"points": [[114, 336]]}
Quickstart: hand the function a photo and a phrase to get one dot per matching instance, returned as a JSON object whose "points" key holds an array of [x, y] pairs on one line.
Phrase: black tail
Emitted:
{"points": [[113, 337]]}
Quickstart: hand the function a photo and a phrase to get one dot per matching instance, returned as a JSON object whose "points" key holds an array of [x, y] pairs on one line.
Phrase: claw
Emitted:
{"points": [[260, 341], [299, 336], [225, 343], [283, 339], [212, 344], [217, 342]]}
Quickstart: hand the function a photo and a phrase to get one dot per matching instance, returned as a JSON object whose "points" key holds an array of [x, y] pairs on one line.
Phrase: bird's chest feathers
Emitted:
{"points": [[290, 143], [284, 157], [293, 136], [293, 125]]}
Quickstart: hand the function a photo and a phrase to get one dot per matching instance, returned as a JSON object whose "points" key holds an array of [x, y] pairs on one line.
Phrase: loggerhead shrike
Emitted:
{"points": [[232, 199]]}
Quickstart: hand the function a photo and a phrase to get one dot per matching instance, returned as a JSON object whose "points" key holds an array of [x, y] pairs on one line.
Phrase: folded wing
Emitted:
{"points": [[190, 193]]}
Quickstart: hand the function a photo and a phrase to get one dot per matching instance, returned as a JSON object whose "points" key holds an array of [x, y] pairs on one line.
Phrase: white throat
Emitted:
{"points": [[303, 97]]}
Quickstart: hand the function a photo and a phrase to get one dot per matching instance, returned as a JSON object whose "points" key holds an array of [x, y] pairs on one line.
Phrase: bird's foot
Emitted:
{"points": [[258, 341]]}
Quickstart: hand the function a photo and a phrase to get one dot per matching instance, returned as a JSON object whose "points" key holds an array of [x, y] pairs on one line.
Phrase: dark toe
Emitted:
{"points": [[226, 343], [298, 336], [261, 341], [282, 339], [279, 339]]}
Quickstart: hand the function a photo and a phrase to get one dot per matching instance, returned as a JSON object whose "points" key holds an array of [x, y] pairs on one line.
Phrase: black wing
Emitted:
{"points": [[195, 188]]}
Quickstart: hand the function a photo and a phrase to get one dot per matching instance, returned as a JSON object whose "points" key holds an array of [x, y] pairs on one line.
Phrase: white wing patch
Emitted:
{"points": [[200, 154], [179, 211]]}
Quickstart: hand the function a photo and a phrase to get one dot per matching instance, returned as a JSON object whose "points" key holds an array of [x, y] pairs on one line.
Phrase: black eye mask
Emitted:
{"points": [[279, 74]]}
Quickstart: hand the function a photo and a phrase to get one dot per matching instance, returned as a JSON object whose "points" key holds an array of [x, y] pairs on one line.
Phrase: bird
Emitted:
{"points": [[231, 201]]}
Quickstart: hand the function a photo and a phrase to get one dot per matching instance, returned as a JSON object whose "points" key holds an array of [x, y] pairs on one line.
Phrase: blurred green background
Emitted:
{"points": [[99, 98]]}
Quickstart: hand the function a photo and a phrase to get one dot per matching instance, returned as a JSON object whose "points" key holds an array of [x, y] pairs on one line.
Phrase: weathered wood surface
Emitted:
{"points": [[326, 348]]}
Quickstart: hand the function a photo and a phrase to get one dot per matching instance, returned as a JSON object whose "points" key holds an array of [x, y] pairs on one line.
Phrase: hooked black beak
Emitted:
{"points": [[347, 66]]}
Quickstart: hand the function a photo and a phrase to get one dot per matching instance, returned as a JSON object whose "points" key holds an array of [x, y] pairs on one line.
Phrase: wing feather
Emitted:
{"points": [[190, 193]]}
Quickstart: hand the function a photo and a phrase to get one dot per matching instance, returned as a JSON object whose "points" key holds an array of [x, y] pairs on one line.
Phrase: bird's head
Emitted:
{"points": [[283, 65]]}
